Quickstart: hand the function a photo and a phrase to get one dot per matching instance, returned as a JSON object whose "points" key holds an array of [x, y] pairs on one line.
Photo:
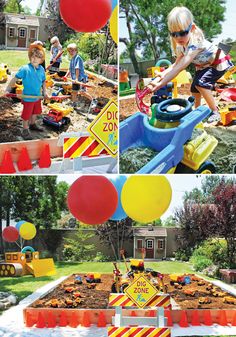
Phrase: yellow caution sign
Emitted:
{"points": [[141, 291], [104, 128]]}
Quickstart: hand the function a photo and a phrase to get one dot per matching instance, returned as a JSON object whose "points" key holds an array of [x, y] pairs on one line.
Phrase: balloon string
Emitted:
{"points": [[17, 244]]}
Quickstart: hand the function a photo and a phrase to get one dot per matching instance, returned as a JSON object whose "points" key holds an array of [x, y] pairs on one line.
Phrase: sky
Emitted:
{"points": [[228, 26], [32, 4], [179, 184]]}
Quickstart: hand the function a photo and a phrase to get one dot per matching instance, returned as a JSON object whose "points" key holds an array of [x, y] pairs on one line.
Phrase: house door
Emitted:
{"points": [[22, 33], [150, 249]]}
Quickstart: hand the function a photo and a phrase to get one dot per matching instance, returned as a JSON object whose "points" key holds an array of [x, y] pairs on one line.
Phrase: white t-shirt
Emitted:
{"points": [[206, 55]]}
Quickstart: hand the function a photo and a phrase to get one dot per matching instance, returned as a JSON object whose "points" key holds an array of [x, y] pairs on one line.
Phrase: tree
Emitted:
{"points": [[14, 6], [2, 7], [77, 248], [131, 41], [114, 234], [39, 9], [147, 23], [56, 25], [170, 221], [219, 216]]}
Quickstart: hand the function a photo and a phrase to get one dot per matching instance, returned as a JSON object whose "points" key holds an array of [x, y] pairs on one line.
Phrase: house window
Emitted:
{"points": [[32, 33], [139, 243], [149, 244], [22, 32], [11, 32], [160, 244]]}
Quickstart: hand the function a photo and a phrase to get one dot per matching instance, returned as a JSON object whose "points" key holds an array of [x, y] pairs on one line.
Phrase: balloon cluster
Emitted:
{"points": [[96, 199], [22, 228]]}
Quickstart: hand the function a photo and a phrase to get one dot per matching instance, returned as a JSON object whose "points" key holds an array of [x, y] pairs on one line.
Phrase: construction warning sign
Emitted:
{"points": [[104, 128], [141, 291]]}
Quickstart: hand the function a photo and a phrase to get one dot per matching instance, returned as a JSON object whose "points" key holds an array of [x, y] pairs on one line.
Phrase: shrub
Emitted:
{"points": [[100, 257], [200, 262], [182, 255]]}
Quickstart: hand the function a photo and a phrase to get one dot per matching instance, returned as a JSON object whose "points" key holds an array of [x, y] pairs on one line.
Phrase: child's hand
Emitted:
{"points": [[46, 96]]}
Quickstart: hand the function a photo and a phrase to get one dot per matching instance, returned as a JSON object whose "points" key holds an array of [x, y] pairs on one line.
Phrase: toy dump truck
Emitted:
{"points": [[28, 263], [180, 279], [56, 116]]}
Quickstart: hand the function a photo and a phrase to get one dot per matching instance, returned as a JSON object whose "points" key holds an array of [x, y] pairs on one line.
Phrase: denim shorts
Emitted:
{"points": [[206, 78]]}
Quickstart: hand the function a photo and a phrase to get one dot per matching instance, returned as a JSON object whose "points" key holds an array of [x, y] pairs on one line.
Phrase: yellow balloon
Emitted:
{"points": [[146, 198], [27, 231], [114, 24]]}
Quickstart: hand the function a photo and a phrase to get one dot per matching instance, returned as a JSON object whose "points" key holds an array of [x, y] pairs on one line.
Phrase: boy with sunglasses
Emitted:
{"points": [[190, 46]]}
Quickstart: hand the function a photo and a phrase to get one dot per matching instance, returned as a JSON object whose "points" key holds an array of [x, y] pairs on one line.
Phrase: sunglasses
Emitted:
{"points": [[181, 33]]}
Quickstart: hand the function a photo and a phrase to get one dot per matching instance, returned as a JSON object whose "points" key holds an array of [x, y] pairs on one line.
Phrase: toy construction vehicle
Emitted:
{"points": [[228, 114], [180, 279], [28, 263], [4, 71], [171, 134], [93, 278], [121, 282], [227, 79], [56, 116]]}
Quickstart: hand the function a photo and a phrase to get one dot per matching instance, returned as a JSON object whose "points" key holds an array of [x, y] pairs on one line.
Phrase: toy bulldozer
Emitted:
{"points": [[27, 263]]}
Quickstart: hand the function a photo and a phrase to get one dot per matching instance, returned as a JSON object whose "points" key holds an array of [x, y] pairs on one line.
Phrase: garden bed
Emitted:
{"points": [[97, 298], [10, 112]]}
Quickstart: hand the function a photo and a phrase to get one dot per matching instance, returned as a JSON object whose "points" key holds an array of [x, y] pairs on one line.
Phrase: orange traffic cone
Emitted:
{"points": [[24, 162], [183, 323], [169, 318], [63, 319], [222, 319], [74, 321], [234, 320], [51, 320], [86, 320], [152, 313], [195, 319], [40, 321], [102, 320], [207, 319], [7, 165], [29, 322], [45, 159]]}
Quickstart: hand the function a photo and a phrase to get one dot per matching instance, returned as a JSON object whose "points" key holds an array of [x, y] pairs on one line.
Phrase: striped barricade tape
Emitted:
{"points": [[138, 332], [83, 146], [122, 300]]}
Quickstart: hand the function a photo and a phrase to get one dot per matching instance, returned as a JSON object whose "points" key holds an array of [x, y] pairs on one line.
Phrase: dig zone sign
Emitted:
{"points": [[104, 128], [141, 291]]}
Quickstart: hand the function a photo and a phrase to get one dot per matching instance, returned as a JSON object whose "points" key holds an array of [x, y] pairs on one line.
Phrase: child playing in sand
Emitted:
{"points": [[189, 46], [56, 52], [33, 80], [76, 71]]}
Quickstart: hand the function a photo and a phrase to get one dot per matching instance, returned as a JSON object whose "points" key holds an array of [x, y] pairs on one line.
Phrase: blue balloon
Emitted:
{"points": [[118, 182], [19, 223], [114, 4], [27, 249]]}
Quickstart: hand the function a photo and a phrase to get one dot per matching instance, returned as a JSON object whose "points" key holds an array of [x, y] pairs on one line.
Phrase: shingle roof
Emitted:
{"points": [[150, 231], [21, 19]]}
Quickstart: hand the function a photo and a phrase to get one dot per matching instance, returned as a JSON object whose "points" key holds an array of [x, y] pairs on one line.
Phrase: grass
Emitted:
{"points": [[17, 58], [24, 286]]}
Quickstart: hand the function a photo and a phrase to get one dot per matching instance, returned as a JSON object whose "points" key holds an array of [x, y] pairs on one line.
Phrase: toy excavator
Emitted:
{"points": [[121, 282]]}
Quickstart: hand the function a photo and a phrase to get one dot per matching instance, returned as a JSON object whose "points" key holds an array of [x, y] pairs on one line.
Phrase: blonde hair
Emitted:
{"points": [[72, 46], [54, 39], [180, 18]]}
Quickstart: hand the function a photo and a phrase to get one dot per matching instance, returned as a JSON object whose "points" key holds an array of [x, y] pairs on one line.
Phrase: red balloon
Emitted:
{"points": [[85, 15], [10, 234], [92, 199]]}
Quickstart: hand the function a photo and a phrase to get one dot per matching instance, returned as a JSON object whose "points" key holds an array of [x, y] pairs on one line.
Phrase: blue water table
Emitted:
{"points": [[171, 132]]}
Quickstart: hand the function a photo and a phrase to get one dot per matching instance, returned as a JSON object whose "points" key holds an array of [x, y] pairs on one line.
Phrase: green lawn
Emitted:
{"points": [[17, 58], [24, 286]]}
